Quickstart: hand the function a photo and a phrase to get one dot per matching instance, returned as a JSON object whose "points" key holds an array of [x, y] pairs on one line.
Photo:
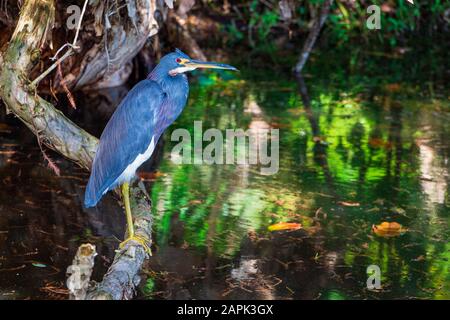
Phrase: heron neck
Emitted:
{"points": [[176, 88]]}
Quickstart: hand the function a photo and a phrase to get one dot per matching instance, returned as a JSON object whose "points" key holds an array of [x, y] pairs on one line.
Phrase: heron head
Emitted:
{"points": [[179, 62]]}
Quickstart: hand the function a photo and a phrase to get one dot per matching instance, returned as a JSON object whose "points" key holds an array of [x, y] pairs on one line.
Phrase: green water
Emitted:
{"points": [[350, 159], [353, 153]]}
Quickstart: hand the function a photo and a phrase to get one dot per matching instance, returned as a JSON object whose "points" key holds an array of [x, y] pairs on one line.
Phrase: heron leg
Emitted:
{"points": [[126, 201], [131, 236]]}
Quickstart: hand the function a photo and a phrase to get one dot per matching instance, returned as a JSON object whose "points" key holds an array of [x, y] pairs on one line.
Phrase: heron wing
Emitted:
{"points": [[127, 135]]}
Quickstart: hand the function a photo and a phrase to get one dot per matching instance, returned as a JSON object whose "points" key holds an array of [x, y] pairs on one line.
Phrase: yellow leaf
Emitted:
{"points": [[284, 226], [388, 229]]}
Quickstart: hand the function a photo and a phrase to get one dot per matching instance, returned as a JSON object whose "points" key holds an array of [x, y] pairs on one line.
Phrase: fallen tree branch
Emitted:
{"points": [[122, 278], [58, 132], [80, 271], [313, 35]]}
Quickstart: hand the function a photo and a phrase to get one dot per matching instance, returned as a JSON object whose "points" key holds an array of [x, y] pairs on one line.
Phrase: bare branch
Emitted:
{"points": [[66, 55], [313, 35]]}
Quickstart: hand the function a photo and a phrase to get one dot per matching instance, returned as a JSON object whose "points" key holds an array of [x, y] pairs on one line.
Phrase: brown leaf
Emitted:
{"points": [[65, 88], [5, 128], [393, 87], [149, 176], [379, 143]]}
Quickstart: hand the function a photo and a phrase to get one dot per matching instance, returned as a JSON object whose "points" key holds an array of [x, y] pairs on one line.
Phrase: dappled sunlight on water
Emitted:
{"points": [[350, 158], [347, 162]]}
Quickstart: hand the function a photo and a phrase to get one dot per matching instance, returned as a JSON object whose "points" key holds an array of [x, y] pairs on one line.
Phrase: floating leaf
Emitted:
{"points": [[388, 229], [379, 143], [349, 204], [5, 128], [39, 265], [321, 140], [284, 226], [150, 176], [393, 87], [419, 258]]}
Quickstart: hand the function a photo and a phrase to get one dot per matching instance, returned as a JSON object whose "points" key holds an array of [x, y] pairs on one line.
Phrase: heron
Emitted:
{"points": [[131, 134]]}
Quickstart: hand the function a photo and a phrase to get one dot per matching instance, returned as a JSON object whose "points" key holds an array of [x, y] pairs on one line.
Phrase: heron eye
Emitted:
{"points": [[178, 60]]}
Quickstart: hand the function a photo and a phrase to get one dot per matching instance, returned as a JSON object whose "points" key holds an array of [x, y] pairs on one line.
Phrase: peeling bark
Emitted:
{"points": [[120, 41], [55, 130], [80, 271]]}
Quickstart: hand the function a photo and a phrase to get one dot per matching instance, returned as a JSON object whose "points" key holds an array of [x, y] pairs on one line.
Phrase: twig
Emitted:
{"points": [[79, 24], [68, 53], [66, 89], [50, 69]]}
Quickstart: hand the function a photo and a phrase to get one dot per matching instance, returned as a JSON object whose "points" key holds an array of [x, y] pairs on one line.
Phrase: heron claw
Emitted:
{"points": [[138, 239]]}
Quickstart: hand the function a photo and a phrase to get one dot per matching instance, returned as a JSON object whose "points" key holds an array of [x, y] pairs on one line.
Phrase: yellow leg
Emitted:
{"points": [[131, 235], [126, 201]]}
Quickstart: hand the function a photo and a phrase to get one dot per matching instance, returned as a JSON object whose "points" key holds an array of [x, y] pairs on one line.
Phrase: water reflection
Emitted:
{"points": [[348, 159], [347, 162]]}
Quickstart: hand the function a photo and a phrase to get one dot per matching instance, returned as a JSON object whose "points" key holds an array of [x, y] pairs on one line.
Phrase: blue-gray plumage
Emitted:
{"points": [[141, 118]]}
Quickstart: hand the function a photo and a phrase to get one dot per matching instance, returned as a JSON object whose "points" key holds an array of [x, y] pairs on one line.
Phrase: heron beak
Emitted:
{"points": [[208, 65]]}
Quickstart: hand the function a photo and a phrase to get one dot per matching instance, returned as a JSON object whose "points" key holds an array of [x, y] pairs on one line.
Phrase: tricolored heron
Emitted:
{"points": [[131, 134]]}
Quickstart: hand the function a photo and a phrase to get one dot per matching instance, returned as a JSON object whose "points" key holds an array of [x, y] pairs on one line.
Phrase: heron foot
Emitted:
{"points": [[139, 240]]}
